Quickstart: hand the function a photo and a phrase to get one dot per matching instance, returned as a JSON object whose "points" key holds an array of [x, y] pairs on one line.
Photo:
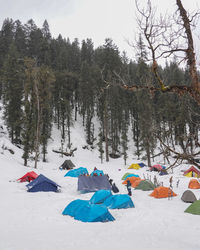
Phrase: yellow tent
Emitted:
{"points": [[192, 174], [134, 166]]}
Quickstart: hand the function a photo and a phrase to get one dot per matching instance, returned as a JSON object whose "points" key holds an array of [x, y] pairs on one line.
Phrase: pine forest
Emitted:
{"points": [[46, 82]]}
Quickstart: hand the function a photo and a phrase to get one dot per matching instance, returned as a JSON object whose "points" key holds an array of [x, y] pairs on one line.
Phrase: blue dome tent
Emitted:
{"points": [[118, 201], [76, 172], [86, 212], [93, 213], [72, 208], [100, 196]]}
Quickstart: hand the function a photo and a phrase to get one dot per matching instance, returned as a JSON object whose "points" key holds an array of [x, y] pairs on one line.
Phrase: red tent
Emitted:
{"points": [[156, 167], [192, 172], [28, 177]]}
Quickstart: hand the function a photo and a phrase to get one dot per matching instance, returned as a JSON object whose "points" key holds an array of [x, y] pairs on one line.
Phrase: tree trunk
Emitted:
{"points": [[106, 128], [190, 50], [38, 123]]}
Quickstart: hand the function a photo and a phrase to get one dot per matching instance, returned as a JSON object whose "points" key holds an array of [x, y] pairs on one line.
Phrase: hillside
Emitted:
{"points": [[35, 221]]}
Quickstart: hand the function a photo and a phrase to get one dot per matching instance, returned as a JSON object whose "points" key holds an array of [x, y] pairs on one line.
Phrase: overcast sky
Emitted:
{"points": [[95, 19]]}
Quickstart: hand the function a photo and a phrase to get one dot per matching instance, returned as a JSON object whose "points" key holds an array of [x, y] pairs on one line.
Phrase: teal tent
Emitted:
{"points": [[97, 172], [119, 201], [72, 208], [131, 175], [100, 196], [77, 172], [94, 213], [87, 212]]}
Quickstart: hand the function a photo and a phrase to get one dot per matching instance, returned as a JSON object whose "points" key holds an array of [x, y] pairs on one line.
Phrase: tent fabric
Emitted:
{"points": [[192, 172], [188, 196], [194, 208], [97, 172], [145, 186], [194, 184], [119, 201], [162, 192], [93, 183], [136, 183], [134, 166], [73, 207], [100, 196], [163, 172], [141, 164], [93, 213], [42, 184], [133, 180], [156, 167], [67, 164], [76, 172], [131, 175], [30, 176], [87, 212], [124, 176]]}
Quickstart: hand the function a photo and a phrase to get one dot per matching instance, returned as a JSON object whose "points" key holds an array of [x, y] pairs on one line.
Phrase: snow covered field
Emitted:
{"points": [[34, 221]]}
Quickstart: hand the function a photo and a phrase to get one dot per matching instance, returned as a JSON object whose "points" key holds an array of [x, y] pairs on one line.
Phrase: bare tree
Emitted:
{"points": [[165, 37]]}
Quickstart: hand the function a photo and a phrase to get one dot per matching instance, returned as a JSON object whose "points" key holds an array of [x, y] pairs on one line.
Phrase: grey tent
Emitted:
{"points": [[93, 183], [67, 164], [188, 196]]}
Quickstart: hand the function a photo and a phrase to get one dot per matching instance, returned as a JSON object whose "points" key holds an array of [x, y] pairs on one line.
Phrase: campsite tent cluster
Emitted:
{"points": [[147, 185], [97, 208], [38, 183]]}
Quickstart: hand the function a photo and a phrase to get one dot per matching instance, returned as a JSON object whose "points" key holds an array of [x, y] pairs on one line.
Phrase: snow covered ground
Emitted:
{"points": [[34, 221]]}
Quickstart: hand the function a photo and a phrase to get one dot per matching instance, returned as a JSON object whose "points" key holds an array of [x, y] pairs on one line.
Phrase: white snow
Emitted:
{"points": [[34, 221]]}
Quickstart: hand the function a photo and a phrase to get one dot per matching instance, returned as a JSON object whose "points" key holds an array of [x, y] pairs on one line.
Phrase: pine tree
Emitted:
{"points": [[13, 93], [45, 79], [29, 116]]}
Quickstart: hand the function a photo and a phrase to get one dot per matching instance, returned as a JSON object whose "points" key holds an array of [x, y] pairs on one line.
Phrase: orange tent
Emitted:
{"points": [[136, 183], [132, 180], [162, 192], [194, 184]]}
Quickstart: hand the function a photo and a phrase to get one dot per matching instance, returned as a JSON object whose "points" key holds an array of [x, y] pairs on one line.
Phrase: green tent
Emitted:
{"points": [[145, 186], [124, 176], [194, 208]]}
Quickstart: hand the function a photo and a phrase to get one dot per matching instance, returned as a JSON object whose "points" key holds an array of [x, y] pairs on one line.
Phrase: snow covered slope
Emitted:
{"points": [[34, 221]]}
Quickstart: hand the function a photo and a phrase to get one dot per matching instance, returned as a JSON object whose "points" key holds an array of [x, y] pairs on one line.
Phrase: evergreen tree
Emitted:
{"points": [[20, 38], [45, 80], [13, 93], [29, 116]]}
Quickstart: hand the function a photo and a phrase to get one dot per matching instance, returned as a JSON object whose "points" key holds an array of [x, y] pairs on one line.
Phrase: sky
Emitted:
{"points": [[95, 19]]}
